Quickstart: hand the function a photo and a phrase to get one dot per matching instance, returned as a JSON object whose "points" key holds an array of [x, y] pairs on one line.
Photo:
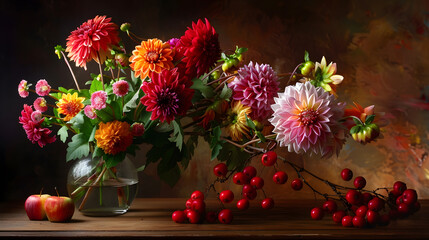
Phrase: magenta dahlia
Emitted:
{"points": [[201, 48], [98, 99], [256, 86], [32, 126], [306, 119], [92, 40], [167, 95]]}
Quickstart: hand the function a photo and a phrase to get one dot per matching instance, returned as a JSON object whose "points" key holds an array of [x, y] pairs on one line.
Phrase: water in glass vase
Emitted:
{"points": [[112, 197]]}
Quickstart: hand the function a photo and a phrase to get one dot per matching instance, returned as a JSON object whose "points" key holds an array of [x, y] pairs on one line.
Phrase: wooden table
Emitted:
{"points": [[151, 218]]}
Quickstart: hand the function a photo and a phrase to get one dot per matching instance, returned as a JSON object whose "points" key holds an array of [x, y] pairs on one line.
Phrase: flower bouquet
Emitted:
{"points": [[173, 93]]}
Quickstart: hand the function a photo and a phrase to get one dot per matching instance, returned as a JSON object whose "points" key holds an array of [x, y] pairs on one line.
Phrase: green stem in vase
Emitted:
{"points": [[85, 198], [100, 190]]}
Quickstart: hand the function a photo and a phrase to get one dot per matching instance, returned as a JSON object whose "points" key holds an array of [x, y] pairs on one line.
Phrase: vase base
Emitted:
{"points": [[105, 212]]}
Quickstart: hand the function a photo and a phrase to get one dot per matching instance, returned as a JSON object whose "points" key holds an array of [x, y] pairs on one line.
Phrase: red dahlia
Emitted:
{"points": [[201, 48], [167, 95], [34, 130]]}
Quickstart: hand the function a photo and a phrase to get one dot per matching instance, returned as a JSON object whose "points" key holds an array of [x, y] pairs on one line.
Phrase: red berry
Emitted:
{"points": [[372, 217], [198, 205], [359, 182], [399, 200], [240, 179], [193, 216], [384, 220], [330, 206], [359, 222], [226, 196], [361, 211], [247, 188], [296, 184], [280, 177], [338, 216], [186, 211], [416, 206], [220, 170], [243, 204], [250, 172], [197, 195], [225, 216], [317, 213], [257, 182], [347, 221], [211, 217], [399, 187], [267, 203], [394, 194], [346, 174], [249, 193], [179, 216], [353, 197], [403, 209], [410, 196], [269, 158], [366, 197], [189, 203], [376, 204]]}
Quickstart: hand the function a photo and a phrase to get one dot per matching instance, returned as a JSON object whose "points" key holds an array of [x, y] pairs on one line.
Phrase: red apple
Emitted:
{"points": [[34, 206], [59, 209]]}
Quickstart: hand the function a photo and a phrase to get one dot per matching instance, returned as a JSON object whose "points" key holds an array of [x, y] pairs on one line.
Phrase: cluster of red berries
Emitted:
{"points": [[369, 208]]}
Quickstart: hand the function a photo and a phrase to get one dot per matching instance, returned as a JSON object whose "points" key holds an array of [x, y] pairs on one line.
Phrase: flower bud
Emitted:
{"points": [[121, 59], [125, 27], [137, 129]]}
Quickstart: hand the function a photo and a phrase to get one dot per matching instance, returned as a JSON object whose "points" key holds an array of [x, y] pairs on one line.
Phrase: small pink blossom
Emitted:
{"points": [[121, 88], [40, 104], [98, 100], [35, 133], [42, 87], [90, 112], [36, 116], [173, 42], [137, 129], [23, 89]]}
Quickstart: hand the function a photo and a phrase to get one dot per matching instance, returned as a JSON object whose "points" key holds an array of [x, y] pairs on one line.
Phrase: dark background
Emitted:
{"points": [[276, 32]]}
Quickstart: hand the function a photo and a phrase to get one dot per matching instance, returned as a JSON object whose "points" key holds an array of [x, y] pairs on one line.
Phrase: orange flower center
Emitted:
{"points": [[152, 57]]}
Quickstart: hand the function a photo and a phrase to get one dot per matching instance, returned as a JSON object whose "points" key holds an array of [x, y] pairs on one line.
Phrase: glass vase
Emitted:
{"points": [[101, 191]]}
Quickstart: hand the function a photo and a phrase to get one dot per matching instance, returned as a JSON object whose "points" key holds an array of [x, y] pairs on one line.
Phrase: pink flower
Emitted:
{"points": [[42, 87], [23, 89], [137, 129], [40, 104], [256, 86], [34, 131], [36, 116], [306, 119], [90, 112], [173, 42], [121, 88], [98, 100]]}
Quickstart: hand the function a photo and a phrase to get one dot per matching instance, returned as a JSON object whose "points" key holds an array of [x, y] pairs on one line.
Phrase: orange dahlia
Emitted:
{"points": [[113, 137], [70, 105], [237, 121], [92, 40], [151, 56]]}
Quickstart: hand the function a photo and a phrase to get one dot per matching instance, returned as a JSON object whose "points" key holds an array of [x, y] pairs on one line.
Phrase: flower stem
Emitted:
{"points": [[91, 187], [71, 71], [101, 70]]}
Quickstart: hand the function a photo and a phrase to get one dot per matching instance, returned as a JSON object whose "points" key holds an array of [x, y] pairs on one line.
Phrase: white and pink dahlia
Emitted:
{"points": [[306, 119], [256, 86]]}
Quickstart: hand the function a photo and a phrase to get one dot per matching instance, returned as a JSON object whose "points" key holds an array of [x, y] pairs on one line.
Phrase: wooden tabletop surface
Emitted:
{"points": [[151, 218]]}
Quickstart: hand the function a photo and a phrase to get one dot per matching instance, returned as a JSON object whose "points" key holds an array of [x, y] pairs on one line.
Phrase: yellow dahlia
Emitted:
{"points": [[151, 56], [70, 105], [114, 137], [237, 121]]}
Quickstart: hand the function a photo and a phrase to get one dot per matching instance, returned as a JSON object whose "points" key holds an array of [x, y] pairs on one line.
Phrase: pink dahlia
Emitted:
{"points": [[98, 100], [121, 88], [167, 95], [92, 40], [90, 112], [306, 119], [256, 86], [201, 48], [36, 116], [137, 129], [42, 87], [33, 129], [173, 42], [23, 89], [40, 104]]}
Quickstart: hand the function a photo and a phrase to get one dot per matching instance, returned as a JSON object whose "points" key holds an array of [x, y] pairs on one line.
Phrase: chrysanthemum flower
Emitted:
{"points": [[90, 112], [201, 48], [42, 88], [92, 40], [34, 131], [137, 129], [167, 95], [359, 112], [151, 56], [237, 121], [324, 76], [40, 104], [36, 116], [306, 119], [113, 137], [98, 99], [70, 105], [256, 86], [207, 117], [23, 89], [121, 88]]}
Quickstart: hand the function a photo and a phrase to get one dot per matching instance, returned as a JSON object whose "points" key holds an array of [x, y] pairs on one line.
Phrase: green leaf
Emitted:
{"points": [[177, 135], [78, 147], [96, 85], [98, 152], [141, 168], [355, 129], [233, 156], [215, 143], [205, 90], [189, 150], [132, 103], [261, 136], [306, 56], [369, 119], [250, 123], [113, 160], [226, 92], [83, 124], [356, 120], [167, 169], [241, 50], [92, 136], [62, 132]]}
